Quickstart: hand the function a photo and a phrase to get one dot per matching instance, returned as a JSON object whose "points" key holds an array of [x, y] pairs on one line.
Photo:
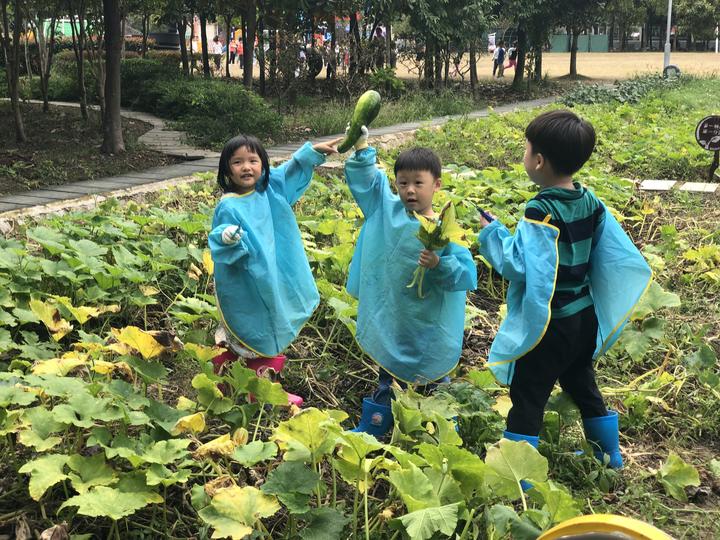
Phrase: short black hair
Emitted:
{"points": [[563, 138], [252, 144], [419, 159]]}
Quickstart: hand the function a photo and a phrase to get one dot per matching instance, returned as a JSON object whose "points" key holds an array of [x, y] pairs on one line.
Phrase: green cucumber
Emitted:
{"points": [[366, 109]]}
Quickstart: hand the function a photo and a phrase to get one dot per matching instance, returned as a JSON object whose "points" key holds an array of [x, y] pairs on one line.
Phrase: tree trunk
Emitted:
{"points": [[446, 74], [182, 29], [28, 66], [249, 44], [12, 59], [521, 51], [45, 53], [192, 39], [332, 57], [274, 36], [438, 65], [429, 56], [204, 45], [538, 63], [389, 57], [145, 32], [354, 44], [261, 48], [228, 21], [112, 122], [78, 35], [473, 67], [611, 34], [573, 53]]}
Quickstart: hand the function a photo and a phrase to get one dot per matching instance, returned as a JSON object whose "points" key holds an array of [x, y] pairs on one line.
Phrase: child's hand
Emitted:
{"points": [[231, 235], [362, 141], [485, 218], [327, 148], [428, 259]]}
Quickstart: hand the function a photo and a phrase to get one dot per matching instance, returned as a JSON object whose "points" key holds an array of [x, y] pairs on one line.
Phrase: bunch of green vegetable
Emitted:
{"points": [[435, 234]]}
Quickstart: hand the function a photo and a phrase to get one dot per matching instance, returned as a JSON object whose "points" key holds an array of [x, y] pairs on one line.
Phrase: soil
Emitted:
{"points": [[63, 148]]}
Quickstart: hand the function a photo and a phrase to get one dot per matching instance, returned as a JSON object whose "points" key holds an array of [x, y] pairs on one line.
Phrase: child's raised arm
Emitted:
{"points": [[293, 177]]}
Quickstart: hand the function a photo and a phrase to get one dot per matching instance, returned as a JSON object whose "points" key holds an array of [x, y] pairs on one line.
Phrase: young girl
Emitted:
{"points": [[265, 289]]}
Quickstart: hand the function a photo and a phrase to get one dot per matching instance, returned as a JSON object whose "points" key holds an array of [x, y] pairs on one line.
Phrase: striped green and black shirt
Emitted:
{"points": [[578, 214]]}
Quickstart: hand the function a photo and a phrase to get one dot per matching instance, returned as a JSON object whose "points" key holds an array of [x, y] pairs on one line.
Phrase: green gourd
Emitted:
{"points": [[366, 109]]}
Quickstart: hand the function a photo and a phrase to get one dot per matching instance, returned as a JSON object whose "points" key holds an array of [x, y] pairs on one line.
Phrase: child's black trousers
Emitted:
{"points": [[564, 354]]}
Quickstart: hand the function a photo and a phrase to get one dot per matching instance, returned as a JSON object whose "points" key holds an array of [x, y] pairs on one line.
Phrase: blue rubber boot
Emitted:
{"points": [[517, 437], [376, 419], [603, 435]]}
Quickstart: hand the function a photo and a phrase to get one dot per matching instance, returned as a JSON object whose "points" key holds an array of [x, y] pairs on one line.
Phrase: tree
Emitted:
{"points": [[39, 12], [112, 121], [175, 13], [11, 49], [624, 14], [78, 27], [698, 18], [577, 16]]}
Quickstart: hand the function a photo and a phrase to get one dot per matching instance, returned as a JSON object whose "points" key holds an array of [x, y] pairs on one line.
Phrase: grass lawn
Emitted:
{"points": [[62, 148]]}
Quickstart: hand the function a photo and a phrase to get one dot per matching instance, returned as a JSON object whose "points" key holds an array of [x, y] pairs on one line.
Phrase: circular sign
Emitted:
{"points": [[707, 133], [671, 71]]}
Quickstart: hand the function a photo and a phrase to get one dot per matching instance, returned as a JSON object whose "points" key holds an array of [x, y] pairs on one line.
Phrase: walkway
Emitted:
{"points": [[171, 142]]}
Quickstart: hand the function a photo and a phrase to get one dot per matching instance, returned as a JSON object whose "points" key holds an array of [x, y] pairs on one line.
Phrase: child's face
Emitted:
{"points": [[416, 190], [534, 164], [245, 169]]}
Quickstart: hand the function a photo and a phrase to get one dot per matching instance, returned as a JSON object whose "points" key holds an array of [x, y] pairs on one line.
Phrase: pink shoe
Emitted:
{"points": [[269, 367]]}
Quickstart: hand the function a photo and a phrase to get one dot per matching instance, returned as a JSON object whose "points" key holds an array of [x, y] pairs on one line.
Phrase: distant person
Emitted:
{"points": [[233, 50], [496, 51], [217, 50], [241, 54], [512, 56], [500, 60]]}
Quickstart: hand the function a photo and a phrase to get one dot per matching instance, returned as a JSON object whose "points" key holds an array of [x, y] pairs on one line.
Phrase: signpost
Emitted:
{"points": [[707, 134]]}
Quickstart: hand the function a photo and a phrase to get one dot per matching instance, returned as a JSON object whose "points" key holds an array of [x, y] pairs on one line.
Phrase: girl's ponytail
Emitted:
{"points": [[252, 144]]}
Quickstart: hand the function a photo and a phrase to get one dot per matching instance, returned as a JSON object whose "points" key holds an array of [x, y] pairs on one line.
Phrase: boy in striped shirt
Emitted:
{"points": [[574, 277]]}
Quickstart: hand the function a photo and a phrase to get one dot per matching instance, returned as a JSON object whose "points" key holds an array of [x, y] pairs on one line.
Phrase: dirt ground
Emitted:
{"points": [[600, 66]]}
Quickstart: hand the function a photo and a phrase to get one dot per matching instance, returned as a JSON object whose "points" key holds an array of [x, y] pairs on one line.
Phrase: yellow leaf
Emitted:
{"points": [[185, 404], [104, 368], [426, 223], [502, 405], [220, 446], [203, 353], [194, 423], [60, 366], [49, 315], [240, 437], [120, 348], [208, 262], [147, 290], [450, 227], [83, 313], [139, 340]]}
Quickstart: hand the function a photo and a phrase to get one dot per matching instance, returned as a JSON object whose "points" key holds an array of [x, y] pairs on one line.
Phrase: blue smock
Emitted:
{"points": [[618, 273], [417, 340], [264, 286]]}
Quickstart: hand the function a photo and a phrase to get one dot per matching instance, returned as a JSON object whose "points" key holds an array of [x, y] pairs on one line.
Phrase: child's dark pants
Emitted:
{"points": [[564, 354], [384, 394]]}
